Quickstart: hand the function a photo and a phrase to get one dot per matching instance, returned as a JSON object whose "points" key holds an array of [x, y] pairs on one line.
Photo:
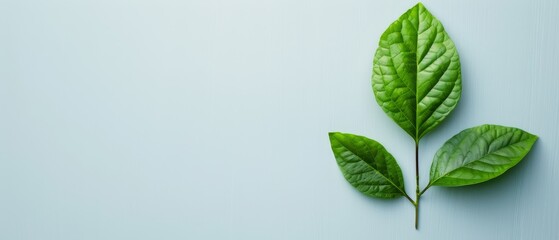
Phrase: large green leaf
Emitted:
{"points": [[478, 154], [416, 72], [367, 166]]}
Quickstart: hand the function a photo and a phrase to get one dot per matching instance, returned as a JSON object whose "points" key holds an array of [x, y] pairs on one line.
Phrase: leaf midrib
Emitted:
{"points": [[417, 74]]}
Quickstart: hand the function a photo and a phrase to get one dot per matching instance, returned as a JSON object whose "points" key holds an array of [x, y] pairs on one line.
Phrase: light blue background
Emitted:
{"points": [[208, 119]]}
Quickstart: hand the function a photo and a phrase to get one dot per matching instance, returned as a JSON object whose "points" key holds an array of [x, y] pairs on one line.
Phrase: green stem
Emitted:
{"points": [[417, 193], [425, 189], [409, 198]]}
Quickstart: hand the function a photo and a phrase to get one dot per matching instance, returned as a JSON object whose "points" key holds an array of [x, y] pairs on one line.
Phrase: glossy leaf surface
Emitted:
{"points": [[367, 166], [479, 154], [416, 72]]}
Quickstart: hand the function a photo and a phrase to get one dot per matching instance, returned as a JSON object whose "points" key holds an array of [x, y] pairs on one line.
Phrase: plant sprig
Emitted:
{"points": [[417, 82]]}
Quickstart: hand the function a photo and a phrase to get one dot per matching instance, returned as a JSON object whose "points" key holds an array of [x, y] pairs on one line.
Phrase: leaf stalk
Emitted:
{"points": [[417, 193]]}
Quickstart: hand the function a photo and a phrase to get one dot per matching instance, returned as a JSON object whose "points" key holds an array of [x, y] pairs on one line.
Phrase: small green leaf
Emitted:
{"points": [[367, 166], [479, 154], [416, 72]]}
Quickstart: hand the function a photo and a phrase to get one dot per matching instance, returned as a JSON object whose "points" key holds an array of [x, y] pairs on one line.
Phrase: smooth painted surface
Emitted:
{"points": [[208, 119]]}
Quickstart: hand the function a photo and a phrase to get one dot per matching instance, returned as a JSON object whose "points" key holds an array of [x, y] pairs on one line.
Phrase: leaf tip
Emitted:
{"points": [[533, 137], [332, 135], [419, 5]]}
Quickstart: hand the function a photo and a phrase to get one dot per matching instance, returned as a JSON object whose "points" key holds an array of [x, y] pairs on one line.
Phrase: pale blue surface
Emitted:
{"points": [[208, 120]]}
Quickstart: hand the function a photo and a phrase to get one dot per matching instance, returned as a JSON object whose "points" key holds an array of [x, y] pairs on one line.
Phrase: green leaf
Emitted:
{"points": [[479, 154], [416, 72], [367, 166]]}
